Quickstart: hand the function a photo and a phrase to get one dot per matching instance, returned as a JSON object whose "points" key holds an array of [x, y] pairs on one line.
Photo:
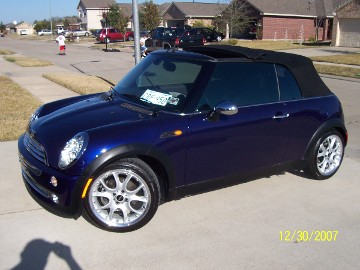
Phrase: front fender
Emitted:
{"points": [[130, 150]]}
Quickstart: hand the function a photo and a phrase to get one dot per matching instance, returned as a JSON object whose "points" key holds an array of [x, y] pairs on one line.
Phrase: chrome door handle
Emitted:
{"points": [[282, 116]]}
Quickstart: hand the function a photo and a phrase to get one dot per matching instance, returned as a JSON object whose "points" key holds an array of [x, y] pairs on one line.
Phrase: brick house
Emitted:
{"points": [[347, 25], [294, 19]]}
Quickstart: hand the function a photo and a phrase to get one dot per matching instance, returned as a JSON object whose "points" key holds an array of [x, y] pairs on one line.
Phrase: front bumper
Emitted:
{"points": [[64, 199]]}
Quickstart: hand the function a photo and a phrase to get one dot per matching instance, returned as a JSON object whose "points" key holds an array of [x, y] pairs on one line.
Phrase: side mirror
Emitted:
{"points": [[224, 108]]}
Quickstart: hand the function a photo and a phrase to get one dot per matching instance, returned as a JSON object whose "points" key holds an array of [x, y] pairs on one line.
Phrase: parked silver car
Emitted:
{"points": [[78, 33]]}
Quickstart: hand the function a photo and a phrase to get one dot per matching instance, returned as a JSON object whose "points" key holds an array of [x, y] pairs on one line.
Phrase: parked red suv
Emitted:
{"points": [[111, 34]]}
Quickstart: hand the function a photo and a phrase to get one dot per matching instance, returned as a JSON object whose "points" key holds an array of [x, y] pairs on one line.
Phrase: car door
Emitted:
{"points": [[255, 137]]}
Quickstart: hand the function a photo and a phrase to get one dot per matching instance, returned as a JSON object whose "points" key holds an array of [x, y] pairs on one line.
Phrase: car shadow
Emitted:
{"points": [[36, 252]]}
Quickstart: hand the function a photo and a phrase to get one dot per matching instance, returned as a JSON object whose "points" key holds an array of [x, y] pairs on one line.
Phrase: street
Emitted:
{"points": [[237, 227]]}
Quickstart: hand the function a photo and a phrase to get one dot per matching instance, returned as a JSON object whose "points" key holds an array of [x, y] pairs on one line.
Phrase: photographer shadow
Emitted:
{"points": [[35, 255]]}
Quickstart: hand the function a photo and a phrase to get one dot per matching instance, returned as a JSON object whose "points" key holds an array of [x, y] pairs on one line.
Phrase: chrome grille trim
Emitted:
{"points": [[28, 166], [35, 149]]}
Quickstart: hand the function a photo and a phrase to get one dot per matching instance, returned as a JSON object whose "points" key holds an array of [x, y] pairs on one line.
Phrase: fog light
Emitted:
{"points": [[55, 198], [54, 181]]}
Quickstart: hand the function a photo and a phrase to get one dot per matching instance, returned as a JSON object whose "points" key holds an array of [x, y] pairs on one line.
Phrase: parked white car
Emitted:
{"points": [[44, 32]]}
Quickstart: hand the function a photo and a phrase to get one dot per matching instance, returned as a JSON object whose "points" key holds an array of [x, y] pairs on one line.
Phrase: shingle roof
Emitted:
{"points": [[126, 9], [311, 8], [286, 7], [199, 9], [97, 3]]}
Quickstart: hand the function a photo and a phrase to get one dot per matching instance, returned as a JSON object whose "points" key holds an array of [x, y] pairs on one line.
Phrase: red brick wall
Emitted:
{"points": [[277, 27]]}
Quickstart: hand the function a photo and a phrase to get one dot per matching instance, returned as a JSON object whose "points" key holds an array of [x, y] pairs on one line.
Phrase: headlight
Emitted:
{"points": [[73, 149]]}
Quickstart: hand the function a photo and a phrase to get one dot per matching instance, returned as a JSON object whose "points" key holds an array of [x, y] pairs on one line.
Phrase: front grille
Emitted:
{"points": [[41, 190], [35, 149]]}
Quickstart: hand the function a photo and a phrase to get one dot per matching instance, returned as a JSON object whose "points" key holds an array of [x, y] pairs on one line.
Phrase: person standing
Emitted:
{"points": [[61, 41]]}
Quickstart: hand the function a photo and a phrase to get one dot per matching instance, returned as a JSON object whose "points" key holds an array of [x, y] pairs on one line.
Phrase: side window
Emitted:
{"points": [[289, 89], [242, 83]]}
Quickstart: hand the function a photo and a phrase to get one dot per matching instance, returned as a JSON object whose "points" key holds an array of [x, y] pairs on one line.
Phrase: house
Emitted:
{"points": [[347, 25], [91, 12], [11, 27], [294, 19], [24, 28], [187, 13]]}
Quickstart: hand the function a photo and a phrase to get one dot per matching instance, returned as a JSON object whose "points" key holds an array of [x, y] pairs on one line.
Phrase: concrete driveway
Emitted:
{"points": [[236, 227]]}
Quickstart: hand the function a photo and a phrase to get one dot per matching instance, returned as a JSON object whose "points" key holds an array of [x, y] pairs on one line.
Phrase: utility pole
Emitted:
{"points": [[51, 26], [135, 8]]}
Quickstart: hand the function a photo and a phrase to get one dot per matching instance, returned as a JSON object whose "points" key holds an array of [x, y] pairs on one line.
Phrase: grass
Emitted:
{"points": [[114, 45], [338, 71], [270, 44], [348, 59], [6, 52], [27, 61], [81, 84], [16, 105]]}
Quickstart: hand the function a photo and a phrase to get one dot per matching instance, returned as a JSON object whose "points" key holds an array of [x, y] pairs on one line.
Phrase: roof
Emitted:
{"points": [[126, 8], [301, 67], [307, 8], [193, 9], [23, 22], [95, 4]]}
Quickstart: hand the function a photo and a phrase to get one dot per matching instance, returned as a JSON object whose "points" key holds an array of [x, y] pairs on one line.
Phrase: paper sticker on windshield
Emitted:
{"points": [[156, 98]]}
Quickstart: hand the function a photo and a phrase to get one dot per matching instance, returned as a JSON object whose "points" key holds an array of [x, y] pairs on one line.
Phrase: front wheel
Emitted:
{"points": [[130, 38], [123, 197], [326, 156]]}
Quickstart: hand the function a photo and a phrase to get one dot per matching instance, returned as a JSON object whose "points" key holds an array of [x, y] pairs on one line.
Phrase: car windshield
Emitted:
{"points": [[161, 82]]}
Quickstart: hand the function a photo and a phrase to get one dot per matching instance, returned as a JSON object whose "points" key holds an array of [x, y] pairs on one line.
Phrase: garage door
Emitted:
{"points": [[349, 32]]}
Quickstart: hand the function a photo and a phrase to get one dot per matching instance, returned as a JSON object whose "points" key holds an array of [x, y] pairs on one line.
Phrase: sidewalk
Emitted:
{"points": [[30, 78]]}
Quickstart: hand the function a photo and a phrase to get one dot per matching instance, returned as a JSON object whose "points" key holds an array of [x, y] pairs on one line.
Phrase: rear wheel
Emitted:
{"points": [[326, 156], [130, 38], [107, 40], [123, 197]]}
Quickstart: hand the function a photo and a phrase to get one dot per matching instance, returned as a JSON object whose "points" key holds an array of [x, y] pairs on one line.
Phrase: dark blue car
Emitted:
{"points": [[180, 120]]}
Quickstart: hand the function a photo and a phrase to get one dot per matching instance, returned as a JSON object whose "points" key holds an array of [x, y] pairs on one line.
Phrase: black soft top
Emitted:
{"points": [[301, 67]]}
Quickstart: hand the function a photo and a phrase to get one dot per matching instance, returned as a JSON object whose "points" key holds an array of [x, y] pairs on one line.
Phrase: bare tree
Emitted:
{"points": [[237, 16]]}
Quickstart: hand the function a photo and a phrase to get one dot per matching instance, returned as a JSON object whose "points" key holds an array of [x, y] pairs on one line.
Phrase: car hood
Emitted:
{"points": [[60, 121]]}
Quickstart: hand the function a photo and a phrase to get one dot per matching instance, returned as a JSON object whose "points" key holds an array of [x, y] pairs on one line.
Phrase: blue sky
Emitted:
{"points": [[31, 10]]}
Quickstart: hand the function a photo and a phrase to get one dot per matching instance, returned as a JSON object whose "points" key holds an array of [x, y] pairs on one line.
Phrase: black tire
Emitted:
{"points": [[123, 197], [130, 38], [326, 156]]}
